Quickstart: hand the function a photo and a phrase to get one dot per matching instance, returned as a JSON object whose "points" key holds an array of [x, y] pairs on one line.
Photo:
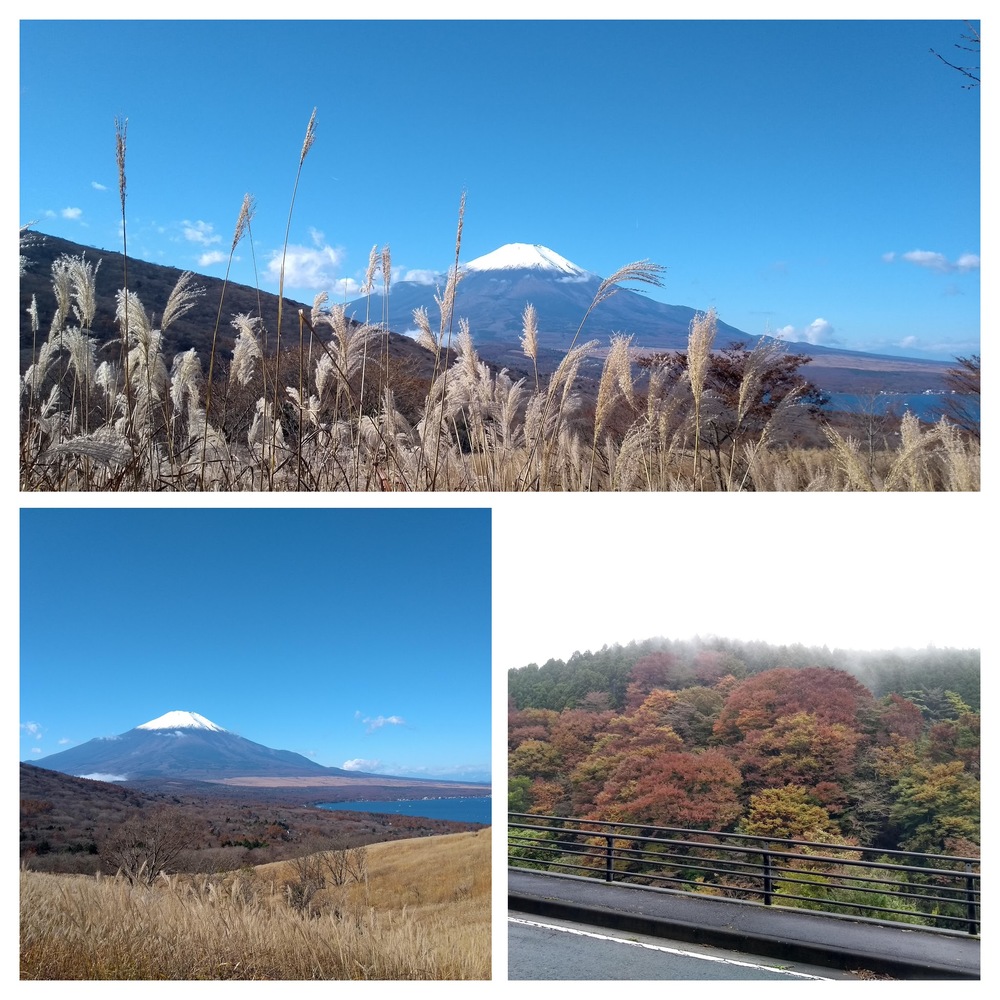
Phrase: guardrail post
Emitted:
{"points": [[609, 859], [970, 898], [766, 857]]}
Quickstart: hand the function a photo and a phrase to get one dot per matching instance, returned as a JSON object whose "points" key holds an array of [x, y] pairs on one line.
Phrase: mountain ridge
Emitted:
{"points": [[187, 745], [494, 311], [494, 289]]}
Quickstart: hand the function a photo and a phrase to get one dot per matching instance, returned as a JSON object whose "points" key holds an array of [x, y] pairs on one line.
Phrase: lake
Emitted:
{"points": [[459, 810], [923, 405]]}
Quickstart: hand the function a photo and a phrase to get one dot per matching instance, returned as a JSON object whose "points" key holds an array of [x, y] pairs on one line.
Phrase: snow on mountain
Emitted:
{"points": [[496, 287], [525, 256], [194, 747], [182, 720]]}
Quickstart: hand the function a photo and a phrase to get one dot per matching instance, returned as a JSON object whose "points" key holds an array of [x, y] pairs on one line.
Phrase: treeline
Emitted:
{"points": [[872, 749], [560, 684]]}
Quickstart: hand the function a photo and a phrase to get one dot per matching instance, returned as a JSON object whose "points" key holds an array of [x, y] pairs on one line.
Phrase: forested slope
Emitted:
{"points": [[876, 749]]}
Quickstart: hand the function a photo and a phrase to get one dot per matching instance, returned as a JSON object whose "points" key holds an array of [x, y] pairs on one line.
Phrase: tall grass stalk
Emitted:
{"points": [[446, 304], [700, 339], [366, 290], [242, 224], [642, 271], [307, 142], [121, 140], [615, 384]]}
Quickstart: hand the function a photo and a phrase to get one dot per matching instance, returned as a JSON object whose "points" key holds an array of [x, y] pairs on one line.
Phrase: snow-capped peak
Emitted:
{"points": [[521, 256], [182, 720]]}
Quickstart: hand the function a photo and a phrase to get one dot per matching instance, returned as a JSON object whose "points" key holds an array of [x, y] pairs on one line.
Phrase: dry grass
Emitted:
{"points": [[325, 415], [150, 424], [422, 914]]}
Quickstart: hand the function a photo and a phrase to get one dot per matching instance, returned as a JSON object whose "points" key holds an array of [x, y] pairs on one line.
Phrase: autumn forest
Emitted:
{"points": [[874, 749]]}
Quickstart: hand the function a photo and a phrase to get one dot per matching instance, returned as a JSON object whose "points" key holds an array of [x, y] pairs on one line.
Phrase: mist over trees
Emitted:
{"points": [[877, 749]]}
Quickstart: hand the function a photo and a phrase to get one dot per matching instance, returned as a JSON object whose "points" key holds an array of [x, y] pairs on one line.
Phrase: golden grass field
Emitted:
{"points": [[423, 913]]}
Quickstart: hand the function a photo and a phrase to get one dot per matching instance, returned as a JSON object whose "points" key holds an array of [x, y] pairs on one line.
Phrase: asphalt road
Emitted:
{"points": [[546, 948], [786, 935]]}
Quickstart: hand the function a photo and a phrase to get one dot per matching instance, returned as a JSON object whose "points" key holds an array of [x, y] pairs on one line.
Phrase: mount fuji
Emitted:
{"points": [[495, 288], [181, 745]]}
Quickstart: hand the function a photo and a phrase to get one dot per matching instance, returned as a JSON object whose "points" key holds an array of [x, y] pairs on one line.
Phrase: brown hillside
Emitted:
{"points": [[153, 284], [66, 822]]}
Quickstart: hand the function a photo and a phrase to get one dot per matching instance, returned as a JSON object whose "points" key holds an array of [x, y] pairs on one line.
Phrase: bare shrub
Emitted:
{"points": [[144, 846]]}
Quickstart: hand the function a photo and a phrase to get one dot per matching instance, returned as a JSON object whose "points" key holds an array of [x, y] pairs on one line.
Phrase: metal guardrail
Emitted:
{"points": [[933, 890]]}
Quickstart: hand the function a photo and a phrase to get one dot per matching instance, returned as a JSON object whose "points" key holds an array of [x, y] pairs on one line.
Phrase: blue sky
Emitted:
{"points": [[817, 180], [358, 637]]}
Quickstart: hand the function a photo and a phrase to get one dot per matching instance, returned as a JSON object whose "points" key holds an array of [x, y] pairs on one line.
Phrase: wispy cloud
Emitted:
{"points": [[456, 772], [420, 276], [372, 723], [200, 232], [32, 729], [916, 347], [98, 186], [934, 261], [71, 213], [940, 348]]}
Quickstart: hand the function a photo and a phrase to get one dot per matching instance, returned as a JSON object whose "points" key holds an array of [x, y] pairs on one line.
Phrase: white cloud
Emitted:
{"points": [[201, 232], [934, 261], [97, 186], [819, 331], [359, 764], [210, 258], [345, 288], [71, 213], [314, 267], [32, 729]]}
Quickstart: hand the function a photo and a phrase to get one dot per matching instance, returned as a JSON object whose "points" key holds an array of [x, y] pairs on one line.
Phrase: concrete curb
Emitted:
{"points": [[783, 933]]}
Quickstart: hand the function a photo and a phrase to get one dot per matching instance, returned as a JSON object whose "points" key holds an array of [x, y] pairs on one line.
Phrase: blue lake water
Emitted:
{"points": [[459, 810], [923, 405]]}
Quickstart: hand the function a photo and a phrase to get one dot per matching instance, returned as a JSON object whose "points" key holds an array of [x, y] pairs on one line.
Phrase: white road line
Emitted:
{"points": [[658, 947]]}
